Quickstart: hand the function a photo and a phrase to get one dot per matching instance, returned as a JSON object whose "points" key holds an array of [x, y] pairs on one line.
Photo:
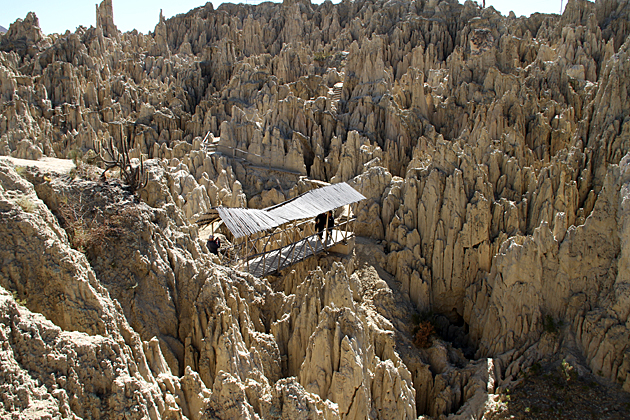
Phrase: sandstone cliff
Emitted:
{"points": [[493, 152]]}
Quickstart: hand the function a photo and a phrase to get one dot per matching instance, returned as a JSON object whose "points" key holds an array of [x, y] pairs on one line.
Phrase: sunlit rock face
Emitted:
{"points": [[493, 152]]}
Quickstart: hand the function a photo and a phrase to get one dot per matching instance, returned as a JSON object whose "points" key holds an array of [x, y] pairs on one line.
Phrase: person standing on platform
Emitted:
{"points": [[331, 223], [320, 224]]}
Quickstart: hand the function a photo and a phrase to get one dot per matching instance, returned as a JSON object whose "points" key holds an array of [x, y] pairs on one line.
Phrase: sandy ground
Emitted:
{"points": [[46, 164]]}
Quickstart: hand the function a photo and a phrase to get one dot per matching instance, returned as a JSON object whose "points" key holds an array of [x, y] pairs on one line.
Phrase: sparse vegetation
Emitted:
{"points": [[76, 155], [423, 334], [85, 171], [117, 156], [423, 329], [19, 301], [550, 325], [568, 372], [552, 389], [322, 56], [88, 232], [505, 397], [21, 171]]}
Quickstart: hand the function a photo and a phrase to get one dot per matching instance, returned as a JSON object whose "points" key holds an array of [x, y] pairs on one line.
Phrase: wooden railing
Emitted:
{"points": [[319, 242], [240, 254], [235, 150], [264, 161]]}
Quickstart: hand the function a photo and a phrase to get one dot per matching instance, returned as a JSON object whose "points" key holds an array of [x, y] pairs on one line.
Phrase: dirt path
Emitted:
{"points": [[46, 164]]}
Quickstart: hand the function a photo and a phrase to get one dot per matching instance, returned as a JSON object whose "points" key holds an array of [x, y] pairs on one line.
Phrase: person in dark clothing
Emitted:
{"points": [[213, 245], [331, 222], [320, 224]]}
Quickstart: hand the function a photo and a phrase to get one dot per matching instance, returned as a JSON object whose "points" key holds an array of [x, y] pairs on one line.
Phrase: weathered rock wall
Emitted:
{"points": [[144, 320], [492, 150]]}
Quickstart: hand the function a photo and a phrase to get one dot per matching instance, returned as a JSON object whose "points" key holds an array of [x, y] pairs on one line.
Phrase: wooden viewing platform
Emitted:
{"points": [[273, 261], [265, 241]]}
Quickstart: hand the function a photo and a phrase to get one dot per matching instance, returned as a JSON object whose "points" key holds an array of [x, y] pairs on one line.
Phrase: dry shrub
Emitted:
{"points": [[423, 333], [88, 232], [86, 171]]}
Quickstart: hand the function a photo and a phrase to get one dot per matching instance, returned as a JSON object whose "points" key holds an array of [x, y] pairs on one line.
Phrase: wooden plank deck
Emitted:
{"points": [[276, 260]]}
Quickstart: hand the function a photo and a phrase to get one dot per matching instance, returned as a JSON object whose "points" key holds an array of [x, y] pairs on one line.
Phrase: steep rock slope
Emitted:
{"points": [[70, 348]]}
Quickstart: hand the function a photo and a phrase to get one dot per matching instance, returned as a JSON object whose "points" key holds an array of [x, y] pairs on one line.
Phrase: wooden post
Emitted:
{"points": [[293, 241], [279, 251], [259, 240], [283, 241], [325, 232], [350, 217], [280, 259], [267, 243], [247, 251], [309, 243], [264, 261]]}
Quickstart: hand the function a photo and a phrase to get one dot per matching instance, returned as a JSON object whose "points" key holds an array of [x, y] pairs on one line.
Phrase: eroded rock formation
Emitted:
{"points": [[493, 152]]}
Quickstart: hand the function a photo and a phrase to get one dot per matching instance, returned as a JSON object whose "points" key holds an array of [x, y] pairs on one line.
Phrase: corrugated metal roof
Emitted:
{"points": [[317, 201], [207, 218], [242, 222]]}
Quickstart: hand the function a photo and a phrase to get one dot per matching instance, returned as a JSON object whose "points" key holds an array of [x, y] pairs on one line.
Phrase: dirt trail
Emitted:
{"points": [[46, 164]]}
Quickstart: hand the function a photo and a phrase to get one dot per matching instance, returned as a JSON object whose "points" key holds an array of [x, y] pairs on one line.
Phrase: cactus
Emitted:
{"points": [[117, 156]]}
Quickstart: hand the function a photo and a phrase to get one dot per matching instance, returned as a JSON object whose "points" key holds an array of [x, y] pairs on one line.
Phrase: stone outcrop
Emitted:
{"points": [[105, 19], [63, 311], [23, 35]]}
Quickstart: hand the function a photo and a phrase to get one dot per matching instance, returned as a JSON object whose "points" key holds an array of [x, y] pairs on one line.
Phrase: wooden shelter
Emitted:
{"points": [[268, 240]]}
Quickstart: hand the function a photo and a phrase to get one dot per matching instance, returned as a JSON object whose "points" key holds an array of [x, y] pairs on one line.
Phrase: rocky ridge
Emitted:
{"points": [[493, 152]]}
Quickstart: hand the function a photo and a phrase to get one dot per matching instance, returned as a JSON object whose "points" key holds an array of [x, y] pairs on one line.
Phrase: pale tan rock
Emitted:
{"points": [[371, 184], [354, 154], [22, 35], [51, 359], [229, 399], [485, 144], [94, 325], [295, 403], [195, 392], [105, 19], [267, 199]]}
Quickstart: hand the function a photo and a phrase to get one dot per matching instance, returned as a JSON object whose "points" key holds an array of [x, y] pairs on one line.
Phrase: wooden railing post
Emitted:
{"points": [[247, 252], [293, 249]]}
